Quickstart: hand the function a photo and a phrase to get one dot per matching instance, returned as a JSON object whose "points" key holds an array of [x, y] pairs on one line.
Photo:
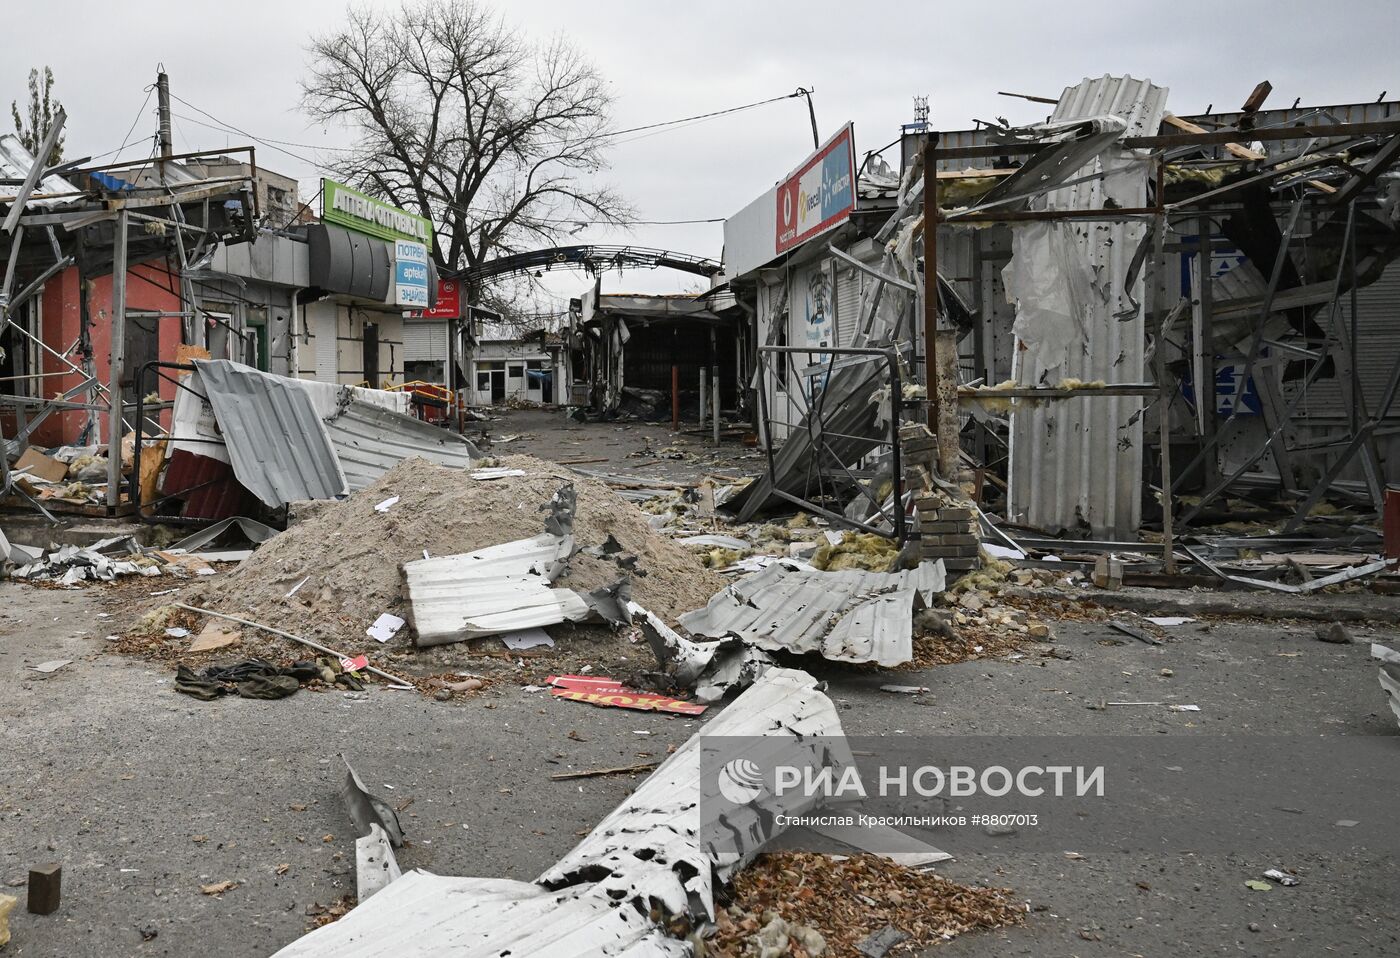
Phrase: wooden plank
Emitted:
{"points": [[1235, 149], [1257, 97]]}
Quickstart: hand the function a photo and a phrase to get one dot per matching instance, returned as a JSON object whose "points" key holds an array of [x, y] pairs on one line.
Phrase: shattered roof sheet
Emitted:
{"points": [[15, 164], [648, 854], [850, 616], [370, 440], [278, 445], [425, 914]]}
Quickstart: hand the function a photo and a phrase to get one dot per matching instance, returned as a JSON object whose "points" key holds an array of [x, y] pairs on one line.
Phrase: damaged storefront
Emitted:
{"points": [[369, 263], [680, 356]]}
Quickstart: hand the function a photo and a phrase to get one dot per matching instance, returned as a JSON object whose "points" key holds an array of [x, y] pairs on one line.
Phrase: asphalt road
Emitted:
{"points": [[144, 795]]}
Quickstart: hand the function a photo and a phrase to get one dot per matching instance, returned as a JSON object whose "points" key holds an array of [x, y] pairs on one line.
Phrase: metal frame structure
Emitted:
{"points": [[818, 431], [64, 226], [1324, 203]]}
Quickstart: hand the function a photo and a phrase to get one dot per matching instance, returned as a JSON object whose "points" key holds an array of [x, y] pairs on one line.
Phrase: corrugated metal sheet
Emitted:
{"points": [[370, 440], [849, 616], [494, 590], [1078, 462], [206, 485], [505, 587], [433, 915], [15, 164], [647, 858], [278, 445], [651, 846]]}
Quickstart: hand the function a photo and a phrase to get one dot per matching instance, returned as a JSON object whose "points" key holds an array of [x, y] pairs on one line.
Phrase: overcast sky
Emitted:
{"points": [[242, 62]]}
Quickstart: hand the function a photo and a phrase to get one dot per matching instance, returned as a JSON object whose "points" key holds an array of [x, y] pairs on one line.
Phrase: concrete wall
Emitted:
{"points": [[331, 346]]}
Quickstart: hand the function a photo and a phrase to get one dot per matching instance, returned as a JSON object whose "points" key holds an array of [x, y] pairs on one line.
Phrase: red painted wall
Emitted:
{"points": [[147, 287]]}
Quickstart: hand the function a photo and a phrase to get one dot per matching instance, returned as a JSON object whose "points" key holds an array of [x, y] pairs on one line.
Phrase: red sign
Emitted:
{"points": [[355, 664], [610, 692], [820, 194], [449, 301]]}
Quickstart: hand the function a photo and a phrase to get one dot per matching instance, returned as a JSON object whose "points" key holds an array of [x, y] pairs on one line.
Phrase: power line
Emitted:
{"points": [[702, 116], [139, 114], [563, 221]]}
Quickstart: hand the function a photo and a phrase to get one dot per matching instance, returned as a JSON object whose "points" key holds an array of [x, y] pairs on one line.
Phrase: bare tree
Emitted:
{"points": [[40, 115], [492, 136]]}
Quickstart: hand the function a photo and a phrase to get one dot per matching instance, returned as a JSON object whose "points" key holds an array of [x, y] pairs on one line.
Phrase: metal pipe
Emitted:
{"points": [[115, 360], [704, 396], [675, 398], [930, 278], [714, 384]]}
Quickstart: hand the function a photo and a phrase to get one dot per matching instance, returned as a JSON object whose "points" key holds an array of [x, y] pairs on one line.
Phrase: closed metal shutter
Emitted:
{"points": [[424, 342], [849, 284], [1376, 349], [327, 359]]}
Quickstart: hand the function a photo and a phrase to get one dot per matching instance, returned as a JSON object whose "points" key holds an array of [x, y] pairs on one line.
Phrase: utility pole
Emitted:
{"points": [[167, 144]]}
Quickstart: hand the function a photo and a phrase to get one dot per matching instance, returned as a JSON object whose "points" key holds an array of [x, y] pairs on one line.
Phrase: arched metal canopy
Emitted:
{"points": [[591, 259]]}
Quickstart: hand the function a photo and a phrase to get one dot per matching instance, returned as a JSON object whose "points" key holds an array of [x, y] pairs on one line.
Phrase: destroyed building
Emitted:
{"points": [[1069, 278]]}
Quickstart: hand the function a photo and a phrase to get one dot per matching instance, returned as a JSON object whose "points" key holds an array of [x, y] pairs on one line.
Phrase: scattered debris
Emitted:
{"points": [[7, 905], [1135, 632], [1336, 633], [386, 505], [641, 880], [1389, 675], [847, 616], [218, 888], [523, 640], [854, 901], [1281, 877], [51, 666], [878, 944], [214, 636], [397, 682], [599, 772]]}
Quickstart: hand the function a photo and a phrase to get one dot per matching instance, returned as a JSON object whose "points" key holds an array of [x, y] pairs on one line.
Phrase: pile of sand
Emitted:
{"points": [[352, 553]]}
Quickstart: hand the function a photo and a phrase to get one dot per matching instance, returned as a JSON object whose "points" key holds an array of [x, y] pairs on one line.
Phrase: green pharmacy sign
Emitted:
{"points": [[354, 210]]}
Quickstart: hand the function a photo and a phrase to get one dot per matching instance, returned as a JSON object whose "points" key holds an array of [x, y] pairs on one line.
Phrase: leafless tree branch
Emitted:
{"points": [[498, 140]]}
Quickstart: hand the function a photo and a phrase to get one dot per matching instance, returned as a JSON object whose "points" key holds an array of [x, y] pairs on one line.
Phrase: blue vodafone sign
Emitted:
{"points": [[410, 274]]}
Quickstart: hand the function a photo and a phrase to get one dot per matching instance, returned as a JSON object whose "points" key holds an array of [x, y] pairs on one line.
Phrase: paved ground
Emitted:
{"points": [[144, 795], [631, 448]]}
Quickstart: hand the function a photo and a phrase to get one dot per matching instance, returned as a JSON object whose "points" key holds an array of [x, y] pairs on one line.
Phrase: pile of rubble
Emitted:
{"points": [[75, 476], [332, 574]]}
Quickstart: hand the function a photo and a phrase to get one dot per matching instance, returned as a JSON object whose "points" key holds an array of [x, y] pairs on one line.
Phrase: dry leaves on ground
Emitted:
{"points": [[847, 900]]}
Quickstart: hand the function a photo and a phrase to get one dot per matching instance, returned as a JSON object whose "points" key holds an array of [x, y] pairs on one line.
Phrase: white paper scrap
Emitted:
{"points": [[522, 639], [385, 627]]}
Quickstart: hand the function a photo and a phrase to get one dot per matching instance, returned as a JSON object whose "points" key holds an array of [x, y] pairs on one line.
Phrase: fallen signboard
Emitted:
{"points": [[610, 692]]}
